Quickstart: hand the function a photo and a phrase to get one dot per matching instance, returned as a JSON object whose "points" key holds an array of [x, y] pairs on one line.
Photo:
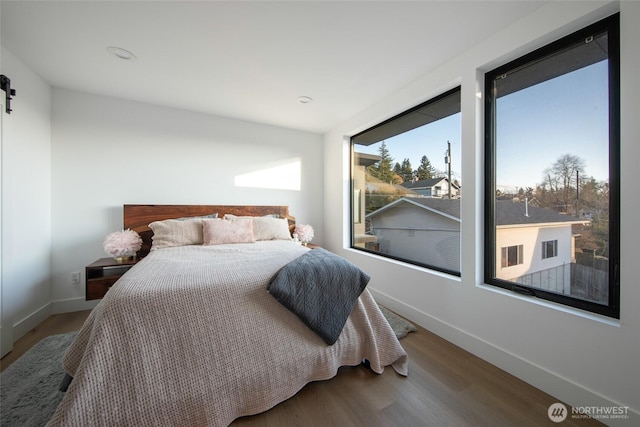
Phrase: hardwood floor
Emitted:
{"points": [[446, 386]]}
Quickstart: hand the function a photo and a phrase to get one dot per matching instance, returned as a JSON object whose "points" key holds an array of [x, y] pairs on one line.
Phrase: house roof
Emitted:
{"points": [[507, 212], [450, 207], [364, 159], [424, 183], [447, 207], [513, 213]]}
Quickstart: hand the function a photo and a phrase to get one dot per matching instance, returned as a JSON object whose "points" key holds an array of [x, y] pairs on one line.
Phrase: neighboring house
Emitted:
{"points": [[362, 161], [435, 187], [534, 246], [420, 229]]}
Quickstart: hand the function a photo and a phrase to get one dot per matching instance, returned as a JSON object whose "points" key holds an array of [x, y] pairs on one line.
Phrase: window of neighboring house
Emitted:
{"points": [[511, 255], [549, 249], [394, 166], [561, 100]]}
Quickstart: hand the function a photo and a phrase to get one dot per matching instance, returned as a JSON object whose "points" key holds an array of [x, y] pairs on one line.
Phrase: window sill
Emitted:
{"points": [[403, 264], [553, 305]]}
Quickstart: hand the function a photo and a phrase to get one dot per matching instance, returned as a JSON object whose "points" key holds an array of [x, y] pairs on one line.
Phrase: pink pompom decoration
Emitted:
{"points": [[122, 243], [304, 233]]}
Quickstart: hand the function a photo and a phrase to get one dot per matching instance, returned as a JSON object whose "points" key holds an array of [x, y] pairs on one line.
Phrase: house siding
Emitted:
{"points": [[424, 237], [551, 274]]}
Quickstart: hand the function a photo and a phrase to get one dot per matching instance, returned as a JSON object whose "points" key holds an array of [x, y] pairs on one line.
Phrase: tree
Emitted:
{"points": [[426, 169], [567, 188], [562, 177], [404, 170], [382, 169]]}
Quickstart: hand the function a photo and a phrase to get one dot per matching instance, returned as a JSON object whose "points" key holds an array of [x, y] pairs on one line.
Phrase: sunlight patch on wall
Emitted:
{"points": [[284, 176]]}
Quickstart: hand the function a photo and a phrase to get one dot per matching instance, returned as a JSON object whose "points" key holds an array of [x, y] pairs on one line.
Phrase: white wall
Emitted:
{"points": [[531, 238], [26, 200], [107, 152], [580, 358]]}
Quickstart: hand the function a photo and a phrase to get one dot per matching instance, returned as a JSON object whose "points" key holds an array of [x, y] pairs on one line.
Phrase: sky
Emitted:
{"points": [[430, 140], [539, 124], [535, 127]]}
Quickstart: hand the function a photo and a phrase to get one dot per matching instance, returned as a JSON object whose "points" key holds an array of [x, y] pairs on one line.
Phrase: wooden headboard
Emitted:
{"points": [[138, 217]]}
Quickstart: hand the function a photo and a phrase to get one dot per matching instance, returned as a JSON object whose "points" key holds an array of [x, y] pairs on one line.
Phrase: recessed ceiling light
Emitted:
{"points": [[121, 53], [305, 99]]}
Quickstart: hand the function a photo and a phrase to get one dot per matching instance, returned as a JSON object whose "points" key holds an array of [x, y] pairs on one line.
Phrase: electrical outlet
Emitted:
{"points": [[75, 278]]}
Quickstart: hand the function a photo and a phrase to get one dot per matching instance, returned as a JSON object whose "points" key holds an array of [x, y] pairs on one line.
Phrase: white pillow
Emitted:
{"points": [[174, 232]]}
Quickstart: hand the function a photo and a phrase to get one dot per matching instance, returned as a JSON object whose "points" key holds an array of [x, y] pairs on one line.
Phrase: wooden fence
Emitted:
{"points": [[589, 283]]}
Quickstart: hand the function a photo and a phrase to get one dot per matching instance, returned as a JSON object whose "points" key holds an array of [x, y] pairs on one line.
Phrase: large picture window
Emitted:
{"points": [[406, 186], [552, 171]]}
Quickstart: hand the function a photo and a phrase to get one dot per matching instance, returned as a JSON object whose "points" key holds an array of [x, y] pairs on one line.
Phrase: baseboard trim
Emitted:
{"points": [[562, 388], [6, 339], [22, 327], [72, 304]]}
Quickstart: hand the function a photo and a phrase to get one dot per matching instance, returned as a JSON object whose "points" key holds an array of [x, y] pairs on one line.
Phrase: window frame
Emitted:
{"points": [[545, 249], [352, 192], [504, 256], [611, 25]]}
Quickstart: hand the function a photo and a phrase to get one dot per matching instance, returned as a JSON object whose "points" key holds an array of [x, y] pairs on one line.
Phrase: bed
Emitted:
{"points": [[193, 335]]}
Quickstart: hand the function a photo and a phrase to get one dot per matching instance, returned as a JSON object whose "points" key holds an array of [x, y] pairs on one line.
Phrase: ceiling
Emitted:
{"points": [[249, 60]]}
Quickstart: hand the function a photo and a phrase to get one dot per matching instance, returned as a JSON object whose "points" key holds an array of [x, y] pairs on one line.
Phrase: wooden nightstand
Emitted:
{"points": [[102, 274]]}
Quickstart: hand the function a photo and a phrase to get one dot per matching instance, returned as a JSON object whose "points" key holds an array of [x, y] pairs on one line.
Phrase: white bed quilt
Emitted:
{"points": [[190, 336]]}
